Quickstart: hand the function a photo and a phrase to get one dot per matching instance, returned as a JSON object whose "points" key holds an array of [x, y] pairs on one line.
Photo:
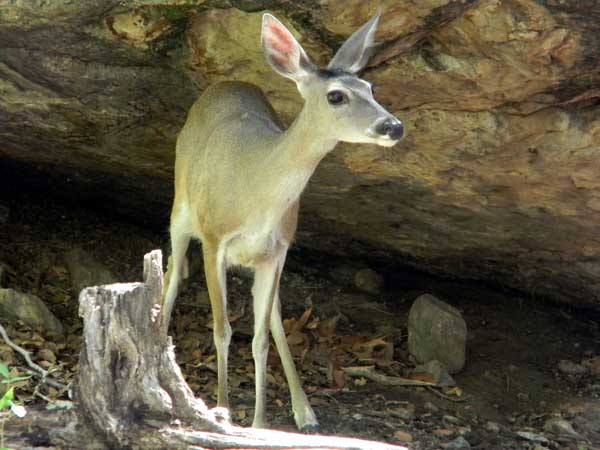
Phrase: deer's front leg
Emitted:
{"points": [[266, 278], [215, 270], [304, 416]]}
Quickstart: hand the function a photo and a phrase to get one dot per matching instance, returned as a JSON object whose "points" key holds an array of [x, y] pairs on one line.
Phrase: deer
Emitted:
{"points": [[239, 175]]}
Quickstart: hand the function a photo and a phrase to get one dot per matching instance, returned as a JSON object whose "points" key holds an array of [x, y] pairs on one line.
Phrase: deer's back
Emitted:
{"points": [[221, 150]]}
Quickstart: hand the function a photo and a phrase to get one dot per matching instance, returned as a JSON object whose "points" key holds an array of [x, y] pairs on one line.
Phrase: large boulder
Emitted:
{"points": [[86, 271], [496, 179], [29, 309]]}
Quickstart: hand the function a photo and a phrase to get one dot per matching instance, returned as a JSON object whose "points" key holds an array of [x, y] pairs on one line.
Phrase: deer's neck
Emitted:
{"points": [[296, 155], [306, 142]]}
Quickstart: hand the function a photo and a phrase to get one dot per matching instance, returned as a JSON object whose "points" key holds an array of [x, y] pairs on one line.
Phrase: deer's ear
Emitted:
{"points": [[356, 51], [284, 54]]}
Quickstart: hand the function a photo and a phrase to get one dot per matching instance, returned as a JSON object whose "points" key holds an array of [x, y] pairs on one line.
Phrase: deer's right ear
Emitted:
{"points": [[284, 54]]}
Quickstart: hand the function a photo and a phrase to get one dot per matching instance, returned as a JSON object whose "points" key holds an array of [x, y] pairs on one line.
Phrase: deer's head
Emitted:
{"points": [[336, 95]]}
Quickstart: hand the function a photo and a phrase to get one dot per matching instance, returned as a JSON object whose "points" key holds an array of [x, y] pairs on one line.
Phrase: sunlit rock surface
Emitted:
{"points": [[496, 180]]}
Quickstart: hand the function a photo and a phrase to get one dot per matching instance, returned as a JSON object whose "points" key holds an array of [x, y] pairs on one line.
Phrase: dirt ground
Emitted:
{"points": [[512, 393]]}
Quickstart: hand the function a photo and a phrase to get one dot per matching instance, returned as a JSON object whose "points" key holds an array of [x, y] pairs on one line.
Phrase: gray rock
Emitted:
{"points": [[560, 427], [532, 437], [437, 371], [430, 407], [406, 412], [492, 426], [369, 281], [29, 309], [361, 311], [570, 368], [86, 271], [459, 443], [588, 423], [437, 330], [449, 420]]}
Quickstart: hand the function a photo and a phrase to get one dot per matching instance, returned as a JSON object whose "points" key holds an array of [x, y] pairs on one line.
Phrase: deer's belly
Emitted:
{"points": [[252, 249]]}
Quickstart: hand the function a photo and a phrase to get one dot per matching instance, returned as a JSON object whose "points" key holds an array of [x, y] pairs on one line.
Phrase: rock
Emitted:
{"points": [[437, 371], [593, 365], [503, 93], [464, 431], [444, 432], [437, 330], [570, 368], [403, 436], [369, 281], [360, 310], [29, 309], [343, 274], [492, 427], [532, 437], [86, 271], [4, 214], [430, 407], [588, 422], [403, 412], [460, 443], [560, 427], [450, 420]]}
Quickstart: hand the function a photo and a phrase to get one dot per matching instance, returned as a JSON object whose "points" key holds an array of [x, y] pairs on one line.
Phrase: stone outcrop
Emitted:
{"points": [[497, 178]]}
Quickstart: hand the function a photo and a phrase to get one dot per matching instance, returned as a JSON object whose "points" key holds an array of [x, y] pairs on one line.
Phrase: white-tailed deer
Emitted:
{"points": [[238, 180]]}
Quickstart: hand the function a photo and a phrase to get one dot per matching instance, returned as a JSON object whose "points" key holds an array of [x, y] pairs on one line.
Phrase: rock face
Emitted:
{"points": [[496, 179]]}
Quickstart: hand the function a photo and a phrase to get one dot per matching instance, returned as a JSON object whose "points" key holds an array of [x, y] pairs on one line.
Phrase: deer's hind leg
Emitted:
{"points": [[181, 230], [215, 270]]}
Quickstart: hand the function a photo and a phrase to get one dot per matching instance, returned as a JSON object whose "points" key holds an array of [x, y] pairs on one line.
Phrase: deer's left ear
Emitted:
{"points": [[284, 54], [356, 51]]}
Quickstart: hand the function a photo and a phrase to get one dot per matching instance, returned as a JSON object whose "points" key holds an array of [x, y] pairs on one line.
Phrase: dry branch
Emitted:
{"points": [[370, 373], [36, 369]]}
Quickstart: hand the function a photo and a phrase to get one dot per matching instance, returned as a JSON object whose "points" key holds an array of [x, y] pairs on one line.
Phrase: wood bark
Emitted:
{"points": [[131, 392]]}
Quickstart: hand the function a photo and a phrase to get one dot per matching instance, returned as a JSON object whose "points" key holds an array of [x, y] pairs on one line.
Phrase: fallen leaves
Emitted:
{"points": [[59, 356]]}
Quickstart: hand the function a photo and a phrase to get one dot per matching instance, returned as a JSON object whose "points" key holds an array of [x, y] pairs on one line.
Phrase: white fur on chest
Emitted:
{"points": [[261, 238], [253, 245]]}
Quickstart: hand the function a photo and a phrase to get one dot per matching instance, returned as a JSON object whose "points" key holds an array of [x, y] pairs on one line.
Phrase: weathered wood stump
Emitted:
{"points": [[131, 391]]}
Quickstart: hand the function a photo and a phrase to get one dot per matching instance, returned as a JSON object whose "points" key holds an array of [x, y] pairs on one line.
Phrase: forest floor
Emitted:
{"points": [[513, 393]]}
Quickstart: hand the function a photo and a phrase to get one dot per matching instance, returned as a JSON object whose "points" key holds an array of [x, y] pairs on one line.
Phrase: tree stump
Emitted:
{"points": [[131, 391]]}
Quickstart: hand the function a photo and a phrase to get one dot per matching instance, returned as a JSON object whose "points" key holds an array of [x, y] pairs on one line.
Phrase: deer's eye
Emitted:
{"points": [[336, 97]]}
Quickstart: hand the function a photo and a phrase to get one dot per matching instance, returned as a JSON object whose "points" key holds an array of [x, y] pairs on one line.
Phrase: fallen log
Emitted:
{"points": [[131, 392]]}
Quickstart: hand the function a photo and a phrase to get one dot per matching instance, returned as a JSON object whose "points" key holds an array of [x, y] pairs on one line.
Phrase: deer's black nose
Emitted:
{"points": [[390, 127]]}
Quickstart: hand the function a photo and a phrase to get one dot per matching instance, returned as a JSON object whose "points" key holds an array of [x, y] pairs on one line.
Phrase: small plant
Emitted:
{"points": [[6, 401]]}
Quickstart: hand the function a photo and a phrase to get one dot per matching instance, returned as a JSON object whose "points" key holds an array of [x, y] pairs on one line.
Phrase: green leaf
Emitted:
{"points": [[7, 399], [4, 371], [5, 448]]}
